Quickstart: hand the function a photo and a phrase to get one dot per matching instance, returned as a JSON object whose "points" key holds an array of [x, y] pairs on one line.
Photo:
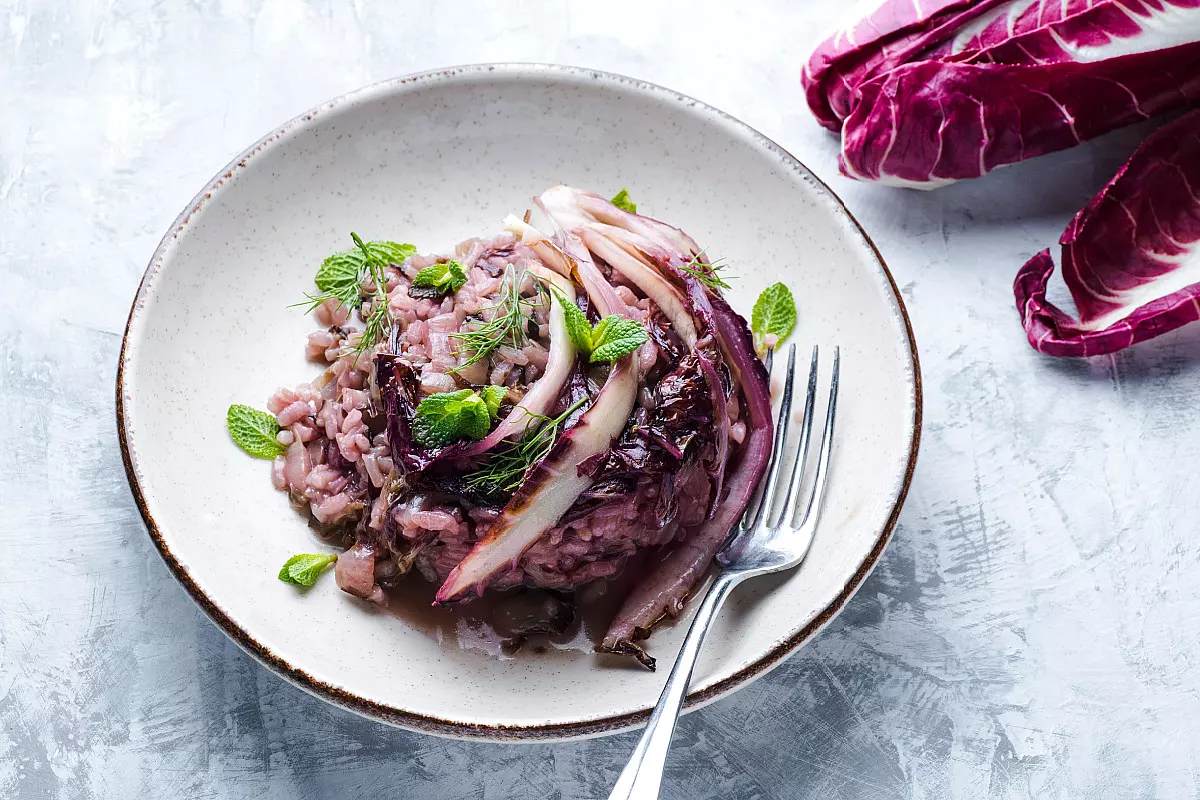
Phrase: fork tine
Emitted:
{"points": [[806, 423], [813, 512], [781, 428]]}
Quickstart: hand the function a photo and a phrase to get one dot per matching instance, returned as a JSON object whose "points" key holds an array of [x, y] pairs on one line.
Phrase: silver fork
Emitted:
{"points": [[758, 547]]}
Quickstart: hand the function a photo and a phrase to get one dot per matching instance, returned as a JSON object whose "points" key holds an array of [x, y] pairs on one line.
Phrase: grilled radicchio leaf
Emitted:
{"points": [[657, 253], [555, 483], [664, 590], [655, 444], [926, 95], [698, 367], [400, 390], [1131, 258]]}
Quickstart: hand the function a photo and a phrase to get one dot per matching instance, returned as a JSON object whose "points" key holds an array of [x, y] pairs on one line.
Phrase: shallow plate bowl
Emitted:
{"points": [[434, 159]]}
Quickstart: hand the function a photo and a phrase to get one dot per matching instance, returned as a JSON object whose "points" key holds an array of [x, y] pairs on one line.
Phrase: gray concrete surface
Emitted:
{"points": [[1031, 631]]}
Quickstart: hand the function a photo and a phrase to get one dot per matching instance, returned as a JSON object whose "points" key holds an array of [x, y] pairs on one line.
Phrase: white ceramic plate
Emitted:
{"points": [[434, 159]]}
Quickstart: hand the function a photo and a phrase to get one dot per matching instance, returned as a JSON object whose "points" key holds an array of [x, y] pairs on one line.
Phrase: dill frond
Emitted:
{"points": [[507, 467], [707, 274], [507, 326]]}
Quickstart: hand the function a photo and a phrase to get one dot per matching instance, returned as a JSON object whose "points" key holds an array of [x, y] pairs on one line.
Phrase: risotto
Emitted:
{"points": [[547, 407]]}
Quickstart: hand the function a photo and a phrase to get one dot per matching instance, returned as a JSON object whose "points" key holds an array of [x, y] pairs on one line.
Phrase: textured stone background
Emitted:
{"points": [[1031, 631]]}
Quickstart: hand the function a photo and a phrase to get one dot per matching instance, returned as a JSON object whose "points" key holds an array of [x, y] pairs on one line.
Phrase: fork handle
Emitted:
{"points": [[642, 776]]}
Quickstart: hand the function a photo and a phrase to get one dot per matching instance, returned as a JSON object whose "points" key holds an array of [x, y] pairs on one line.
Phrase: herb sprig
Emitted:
{"points": [[493, 396], [341, 276], [611, 338], [379, 318], [622, 201], [507, 326], [254, 431], [774, 315], [507, 467], [708, 274], [305, 568], [448, 417], [445, 277]]}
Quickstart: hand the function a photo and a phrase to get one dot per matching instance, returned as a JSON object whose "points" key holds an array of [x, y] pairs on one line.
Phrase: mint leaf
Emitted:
{"points": [[444, 278], [774, 315], [622, 201], [340, 276], [492, 397], [578, 328], [254, 431], [598, 332], [613, 337], [448, 417], [389, 252], [304, 569], [616, 336], [382, 253]]}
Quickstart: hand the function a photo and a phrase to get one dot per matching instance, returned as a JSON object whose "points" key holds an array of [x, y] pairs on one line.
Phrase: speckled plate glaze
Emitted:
{"points": [[433, 159]]}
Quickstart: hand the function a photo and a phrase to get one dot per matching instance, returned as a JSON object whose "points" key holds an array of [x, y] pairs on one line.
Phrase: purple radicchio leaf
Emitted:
{"points": [[400, 391], [955, 93], [662, 592], [655, 253], [1130, 259], [875, 45], [655, 444]]}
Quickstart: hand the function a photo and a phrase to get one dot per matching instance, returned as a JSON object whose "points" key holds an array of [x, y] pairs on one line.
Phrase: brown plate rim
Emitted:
{"points": [[436, 725]]}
